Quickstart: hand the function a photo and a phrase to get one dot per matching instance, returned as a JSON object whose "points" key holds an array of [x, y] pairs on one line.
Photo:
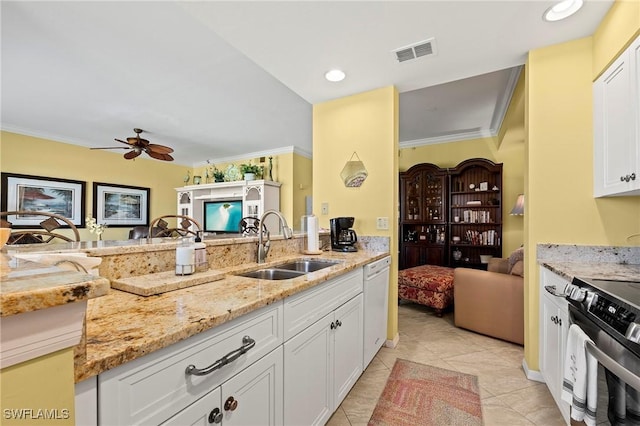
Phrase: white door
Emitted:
{"points": [[550, 349], [200, 412], [254, 396], [307, 376], [613, 128], [347, 347]]}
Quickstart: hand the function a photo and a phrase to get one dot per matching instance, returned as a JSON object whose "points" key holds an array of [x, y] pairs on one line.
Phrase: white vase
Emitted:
{"points": [[249, 176]]}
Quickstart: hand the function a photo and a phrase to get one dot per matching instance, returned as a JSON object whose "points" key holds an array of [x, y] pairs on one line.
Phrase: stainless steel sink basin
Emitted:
{"points": [[288, 270], [306, 265], [272, 274]]}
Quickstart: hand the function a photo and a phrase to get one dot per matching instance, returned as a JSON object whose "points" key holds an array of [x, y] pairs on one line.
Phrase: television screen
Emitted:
{"points": [[222, 216]]}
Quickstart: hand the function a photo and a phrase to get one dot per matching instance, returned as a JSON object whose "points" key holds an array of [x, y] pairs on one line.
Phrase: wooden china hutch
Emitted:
{"points": [[451, 217]]}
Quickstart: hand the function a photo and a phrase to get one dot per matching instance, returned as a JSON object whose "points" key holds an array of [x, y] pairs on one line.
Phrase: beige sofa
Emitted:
{"points": [[492, 302]]}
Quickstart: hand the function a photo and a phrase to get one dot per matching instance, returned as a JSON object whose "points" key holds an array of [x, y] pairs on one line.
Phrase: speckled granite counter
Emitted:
{"points": [[27, 286], [122, 326], [598, 262]]}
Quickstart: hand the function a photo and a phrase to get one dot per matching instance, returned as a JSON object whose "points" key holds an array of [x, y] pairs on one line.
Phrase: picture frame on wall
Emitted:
{"points": [[120, 205], [64, 197]]}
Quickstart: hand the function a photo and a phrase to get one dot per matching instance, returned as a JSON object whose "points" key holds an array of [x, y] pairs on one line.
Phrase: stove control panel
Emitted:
{"points": [[613, 314]]}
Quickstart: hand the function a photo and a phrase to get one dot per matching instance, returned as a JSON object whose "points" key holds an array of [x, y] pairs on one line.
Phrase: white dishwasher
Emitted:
{"points": [[376, 303]]}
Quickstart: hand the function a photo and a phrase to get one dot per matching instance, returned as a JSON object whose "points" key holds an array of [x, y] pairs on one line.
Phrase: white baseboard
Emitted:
{"points": [[532, 374], [392, 343]]}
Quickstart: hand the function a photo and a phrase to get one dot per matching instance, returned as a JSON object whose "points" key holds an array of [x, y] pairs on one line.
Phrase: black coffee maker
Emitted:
{"points": [[343, 238]]}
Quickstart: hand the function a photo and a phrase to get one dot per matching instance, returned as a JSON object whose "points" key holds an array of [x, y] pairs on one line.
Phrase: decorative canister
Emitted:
{"points": [[457, 255]]}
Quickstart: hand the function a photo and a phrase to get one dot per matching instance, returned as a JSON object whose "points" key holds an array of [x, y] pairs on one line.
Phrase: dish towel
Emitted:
{"points": [[580, 378]]}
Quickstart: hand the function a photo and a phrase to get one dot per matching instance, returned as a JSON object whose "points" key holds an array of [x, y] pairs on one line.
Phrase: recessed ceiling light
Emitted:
{"points": [[335, 75], [562, 10]]}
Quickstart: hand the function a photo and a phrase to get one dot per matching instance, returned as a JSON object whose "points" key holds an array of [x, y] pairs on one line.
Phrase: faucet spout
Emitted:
{"points": [[263, 246]]}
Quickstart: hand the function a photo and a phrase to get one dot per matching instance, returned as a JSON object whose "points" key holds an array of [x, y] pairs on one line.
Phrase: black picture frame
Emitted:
{"points": [[120, 206], [64, 197]]}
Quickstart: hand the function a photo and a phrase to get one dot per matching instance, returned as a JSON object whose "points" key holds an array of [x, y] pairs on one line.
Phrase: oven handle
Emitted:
{"points": [[610, 364], [551, 289]]}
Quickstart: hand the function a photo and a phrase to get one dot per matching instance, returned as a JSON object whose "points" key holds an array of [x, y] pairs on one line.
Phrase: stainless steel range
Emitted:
{"points": [[609, 313]]}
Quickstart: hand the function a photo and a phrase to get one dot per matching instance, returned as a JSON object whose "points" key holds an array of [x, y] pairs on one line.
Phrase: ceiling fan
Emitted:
{"points": [[137, 145]]}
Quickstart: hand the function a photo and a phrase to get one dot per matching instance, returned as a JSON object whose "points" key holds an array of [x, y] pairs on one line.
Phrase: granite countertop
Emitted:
{"points": [[26, 286], [601, 271], [121, 327]]}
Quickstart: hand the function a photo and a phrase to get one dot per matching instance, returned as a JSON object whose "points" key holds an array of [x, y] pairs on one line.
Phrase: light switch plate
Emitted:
{"points": [[325, 208], [382, 223]]}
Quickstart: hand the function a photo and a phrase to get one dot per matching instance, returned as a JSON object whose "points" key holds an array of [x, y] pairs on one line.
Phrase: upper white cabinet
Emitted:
{"points": [[255, 196], [616, 120]]}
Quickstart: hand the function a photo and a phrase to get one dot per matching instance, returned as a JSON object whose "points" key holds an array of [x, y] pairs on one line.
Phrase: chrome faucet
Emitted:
{"points": [[263, 247]]}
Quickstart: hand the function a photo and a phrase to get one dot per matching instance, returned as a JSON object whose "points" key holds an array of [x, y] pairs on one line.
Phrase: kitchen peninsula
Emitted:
{"points": [[122, 328]]}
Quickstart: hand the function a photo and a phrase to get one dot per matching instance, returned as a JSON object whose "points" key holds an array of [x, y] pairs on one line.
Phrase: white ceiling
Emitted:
{"points": [[224, 80]]}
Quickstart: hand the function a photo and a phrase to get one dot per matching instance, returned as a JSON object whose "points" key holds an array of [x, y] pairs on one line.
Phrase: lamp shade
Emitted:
{"points": [[518, 209]]}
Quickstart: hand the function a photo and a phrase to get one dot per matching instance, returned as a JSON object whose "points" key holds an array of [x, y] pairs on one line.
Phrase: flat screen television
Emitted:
{"points": [[222, 216]]}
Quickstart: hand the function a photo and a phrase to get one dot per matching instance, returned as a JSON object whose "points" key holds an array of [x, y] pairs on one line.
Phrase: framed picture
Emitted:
{"points": [[120, 205], [45, 194]]}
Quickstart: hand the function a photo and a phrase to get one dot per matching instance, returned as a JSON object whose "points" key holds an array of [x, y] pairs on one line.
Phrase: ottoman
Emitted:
{"points": [[428, 285]]}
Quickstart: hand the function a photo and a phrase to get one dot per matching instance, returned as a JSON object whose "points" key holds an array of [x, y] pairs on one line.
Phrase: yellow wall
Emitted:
{"points": [[559, 183], [512, 157], [44, 383], [302, 186], [616, 31], [41, 157], [366, 123]]}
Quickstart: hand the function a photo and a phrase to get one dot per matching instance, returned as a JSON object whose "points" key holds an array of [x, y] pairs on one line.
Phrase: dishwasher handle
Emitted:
{"points": [[374, 268]]}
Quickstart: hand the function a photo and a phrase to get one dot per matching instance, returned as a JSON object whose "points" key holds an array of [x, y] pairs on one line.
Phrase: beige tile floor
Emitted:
{"points": [[508, 397]]}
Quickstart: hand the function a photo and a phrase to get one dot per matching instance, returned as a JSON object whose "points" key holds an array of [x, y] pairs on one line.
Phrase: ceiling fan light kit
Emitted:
{"points": [[137, 146]]}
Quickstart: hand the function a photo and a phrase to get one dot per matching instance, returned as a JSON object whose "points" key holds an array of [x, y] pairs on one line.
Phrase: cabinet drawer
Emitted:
{"points": [[151, 389], [302, 310]]}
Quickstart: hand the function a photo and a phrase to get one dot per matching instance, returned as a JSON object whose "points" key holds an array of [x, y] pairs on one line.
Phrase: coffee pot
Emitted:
{"points": [[343, 238]]}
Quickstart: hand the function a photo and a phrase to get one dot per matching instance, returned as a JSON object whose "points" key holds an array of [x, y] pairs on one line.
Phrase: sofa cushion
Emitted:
{"points": [[515, 257], [518, 268]]}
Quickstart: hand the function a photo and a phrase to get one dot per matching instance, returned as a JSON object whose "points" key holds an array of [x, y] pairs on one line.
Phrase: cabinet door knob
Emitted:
{"points": [[633, 176], [230, 404], [333, 325], [215, 416], [560, 321], [338, 323]]}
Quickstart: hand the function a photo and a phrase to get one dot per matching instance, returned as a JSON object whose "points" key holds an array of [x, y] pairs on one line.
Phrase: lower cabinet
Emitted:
{"points": [[554, 328], [252, 397], [297, 360], [322, 363]]}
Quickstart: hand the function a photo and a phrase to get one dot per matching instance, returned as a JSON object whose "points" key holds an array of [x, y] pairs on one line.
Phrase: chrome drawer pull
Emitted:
{"points": [[247, 343]]}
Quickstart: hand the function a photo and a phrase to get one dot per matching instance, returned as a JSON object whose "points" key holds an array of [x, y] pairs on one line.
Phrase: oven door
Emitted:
{"points": [[618, 374]]}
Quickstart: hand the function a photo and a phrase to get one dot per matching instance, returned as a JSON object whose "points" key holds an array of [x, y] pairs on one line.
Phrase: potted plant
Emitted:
{"points": [[218, 175], [250, 171]]}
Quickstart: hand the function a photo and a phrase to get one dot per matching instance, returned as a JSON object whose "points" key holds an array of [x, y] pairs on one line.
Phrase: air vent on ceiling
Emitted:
{"points": [[416, 50]]}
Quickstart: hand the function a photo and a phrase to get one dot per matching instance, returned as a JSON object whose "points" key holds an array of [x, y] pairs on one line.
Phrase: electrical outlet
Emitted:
{"points": [[325, 208], [382, 223]]}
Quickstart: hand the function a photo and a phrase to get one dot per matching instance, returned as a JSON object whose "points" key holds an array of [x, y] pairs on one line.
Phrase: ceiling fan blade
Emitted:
{"points": [[160, 148], [132, 154], [112, 147], [159, 156], [121, 141]]}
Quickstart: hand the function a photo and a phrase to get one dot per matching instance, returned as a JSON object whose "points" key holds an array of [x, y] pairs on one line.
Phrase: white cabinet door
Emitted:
{"points": [[200, 412], [554, 326], [347, 352], [257, 392], [616, 119], [307, 375]]}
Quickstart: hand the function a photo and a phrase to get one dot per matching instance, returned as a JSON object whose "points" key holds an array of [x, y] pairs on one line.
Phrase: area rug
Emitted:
{"points": [[418, 394]]}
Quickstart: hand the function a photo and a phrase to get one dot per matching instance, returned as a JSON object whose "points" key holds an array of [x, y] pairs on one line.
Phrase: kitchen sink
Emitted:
{"points": [[272, 274], [288, 270], [306, 265]]}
